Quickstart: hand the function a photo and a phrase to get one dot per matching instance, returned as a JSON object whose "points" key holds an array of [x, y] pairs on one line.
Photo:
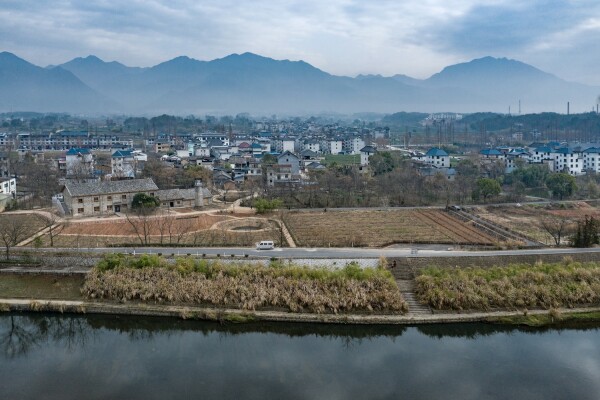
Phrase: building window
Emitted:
{"points": [[96, 209], [80, 210], [124, 197], [109, 198], [95, 198], [80, 201]]}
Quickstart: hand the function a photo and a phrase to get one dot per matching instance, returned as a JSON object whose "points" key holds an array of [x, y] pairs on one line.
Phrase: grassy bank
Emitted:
{"points": [[244, 285], [28, 286], [552, 318], [518, 286]]}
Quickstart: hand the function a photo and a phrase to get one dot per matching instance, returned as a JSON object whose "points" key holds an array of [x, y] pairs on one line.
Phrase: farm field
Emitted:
{"points": [[380, 228], [121, 227], [527, 220], [193, 230]]}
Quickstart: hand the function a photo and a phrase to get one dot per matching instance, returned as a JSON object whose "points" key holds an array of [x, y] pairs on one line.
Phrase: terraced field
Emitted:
{"points": [[379, 228], [527, 219]]}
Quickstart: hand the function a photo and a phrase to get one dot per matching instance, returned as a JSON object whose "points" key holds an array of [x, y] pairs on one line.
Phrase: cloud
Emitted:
{"points": [[340, 36]]}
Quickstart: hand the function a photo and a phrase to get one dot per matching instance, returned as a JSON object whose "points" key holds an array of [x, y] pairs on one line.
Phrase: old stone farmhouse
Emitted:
{"points": [[103, 197], [109, 197]]}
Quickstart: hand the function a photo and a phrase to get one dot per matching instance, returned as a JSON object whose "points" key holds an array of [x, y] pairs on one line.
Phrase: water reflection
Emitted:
{"points": [[19, 334], [62, 357]]}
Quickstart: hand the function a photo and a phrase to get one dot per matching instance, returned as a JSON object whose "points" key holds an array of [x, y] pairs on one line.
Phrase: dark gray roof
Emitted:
{"points": [[183, 194], [107, 187], [368, 149]]}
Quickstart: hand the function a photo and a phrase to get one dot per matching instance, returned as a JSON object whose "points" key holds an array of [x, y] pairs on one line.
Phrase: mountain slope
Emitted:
{"points": [[28, 87], [500, 82], [252, 83]]}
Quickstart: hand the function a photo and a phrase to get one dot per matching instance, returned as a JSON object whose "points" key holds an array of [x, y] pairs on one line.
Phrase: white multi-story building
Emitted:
{"points": [[365, 153], [591, 159], [353, 145], [80, 163], [336, 146], [312, 145], [438, 158], [127, 163], [568, 160], [541, 154], [8, 186]]}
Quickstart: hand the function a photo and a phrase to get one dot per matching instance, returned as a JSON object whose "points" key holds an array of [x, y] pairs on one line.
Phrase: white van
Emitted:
{"points": [[265, 245]]}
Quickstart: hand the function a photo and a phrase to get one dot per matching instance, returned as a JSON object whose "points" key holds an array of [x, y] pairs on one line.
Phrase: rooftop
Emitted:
{"points": [[107, 187]]}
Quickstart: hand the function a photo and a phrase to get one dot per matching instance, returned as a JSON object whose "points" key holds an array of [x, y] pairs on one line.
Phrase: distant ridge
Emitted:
{"points": [[252, 83], [25, 86]]}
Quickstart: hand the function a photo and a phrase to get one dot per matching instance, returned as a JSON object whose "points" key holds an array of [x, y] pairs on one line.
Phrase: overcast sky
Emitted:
{"points": [[343, 37]]}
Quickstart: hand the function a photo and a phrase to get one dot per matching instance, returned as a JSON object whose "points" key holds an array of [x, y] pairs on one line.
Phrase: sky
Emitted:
{"points": [[343, 37]]}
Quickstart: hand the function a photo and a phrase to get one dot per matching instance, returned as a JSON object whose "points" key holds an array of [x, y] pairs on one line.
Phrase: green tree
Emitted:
{"points": [[263, 205], [382, 162], [487, 188], [143, 200], [562, 185]]}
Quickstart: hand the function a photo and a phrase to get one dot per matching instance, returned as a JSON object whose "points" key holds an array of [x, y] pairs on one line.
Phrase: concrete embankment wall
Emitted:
{"points": [[241, 316]]}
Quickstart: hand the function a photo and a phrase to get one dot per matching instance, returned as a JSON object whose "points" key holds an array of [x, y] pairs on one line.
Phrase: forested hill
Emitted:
{"points": [[544, 121]]}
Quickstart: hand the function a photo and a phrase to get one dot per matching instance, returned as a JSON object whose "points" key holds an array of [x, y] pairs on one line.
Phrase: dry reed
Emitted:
{"points": [[246, 286], [568, 284]]}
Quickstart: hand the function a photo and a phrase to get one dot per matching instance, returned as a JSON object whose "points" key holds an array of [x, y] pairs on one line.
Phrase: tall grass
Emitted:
{"points": [[516, 286], [245, 285]]}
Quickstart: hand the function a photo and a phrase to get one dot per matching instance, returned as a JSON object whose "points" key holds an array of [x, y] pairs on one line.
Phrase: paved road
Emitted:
{"points": [[320, 252]]}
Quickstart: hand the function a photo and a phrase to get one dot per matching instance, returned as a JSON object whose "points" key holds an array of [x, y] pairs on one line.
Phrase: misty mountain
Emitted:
{"points": [[98, 74], [25, 86], [252, 83], [500, 82]]}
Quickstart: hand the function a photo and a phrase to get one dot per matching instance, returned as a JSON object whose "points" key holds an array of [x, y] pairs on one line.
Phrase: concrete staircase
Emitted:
{"points": [[406, 283]]}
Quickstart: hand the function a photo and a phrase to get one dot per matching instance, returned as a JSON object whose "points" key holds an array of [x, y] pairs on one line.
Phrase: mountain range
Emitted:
{"points": [[260, 85]]}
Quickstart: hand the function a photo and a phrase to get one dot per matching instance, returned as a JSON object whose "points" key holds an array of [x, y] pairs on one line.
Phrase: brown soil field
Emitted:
{"points": [[123, 227], [193, 230], [205, 238], [379, 228]]}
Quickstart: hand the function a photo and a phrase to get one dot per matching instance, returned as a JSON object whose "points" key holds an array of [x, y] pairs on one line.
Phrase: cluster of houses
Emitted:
{"points": [[79, 164], [237, 158], [574, 159]]}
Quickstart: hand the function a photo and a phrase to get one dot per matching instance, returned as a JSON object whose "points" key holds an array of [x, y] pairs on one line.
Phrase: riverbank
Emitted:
{"points": [[225, 315]]}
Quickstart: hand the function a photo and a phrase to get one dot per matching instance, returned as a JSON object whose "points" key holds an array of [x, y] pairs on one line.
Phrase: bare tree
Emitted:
{"points": [[12, 231], [54, 224], [180, 228], [164, 226], [557, 227], [143, 223]]}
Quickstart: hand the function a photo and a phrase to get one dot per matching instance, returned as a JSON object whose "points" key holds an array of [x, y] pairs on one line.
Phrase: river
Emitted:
{"points": [[45, 356]]}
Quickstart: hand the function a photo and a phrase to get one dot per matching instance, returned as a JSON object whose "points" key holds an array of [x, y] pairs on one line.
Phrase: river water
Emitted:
{"points": [[45, 356]]}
